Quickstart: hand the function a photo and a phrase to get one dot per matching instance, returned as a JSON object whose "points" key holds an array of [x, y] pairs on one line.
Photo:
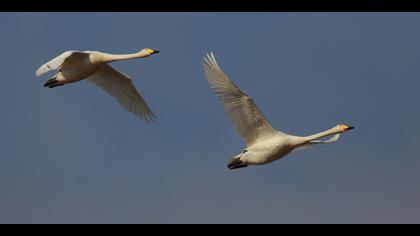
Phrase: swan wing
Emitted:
{"points": [[121, 87], [248, 119], [59, 61]]}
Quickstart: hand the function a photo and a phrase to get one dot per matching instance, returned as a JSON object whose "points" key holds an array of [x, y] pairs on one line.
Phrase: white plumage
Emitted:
{"points": [[58, 62], [248, 119], [121, 87], [264, 144], [93, 66]]}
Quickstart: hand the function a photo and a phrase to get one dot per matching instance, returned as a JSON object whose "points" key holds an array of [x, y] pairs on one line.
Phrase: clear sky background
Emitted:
{"points": [[73, 155]]}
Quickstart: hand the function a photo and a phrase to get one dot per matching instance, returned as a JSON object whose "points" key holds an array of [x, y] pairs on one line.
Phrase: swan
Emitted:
{"points": [[264, 144], [74, 66]]}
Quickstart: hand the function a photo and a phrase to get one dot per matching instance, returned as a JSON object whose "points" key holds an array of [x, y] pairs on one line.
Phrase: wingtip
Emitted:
{"points": [[209, 58], [38, 73], [209, 55], [152, 118], [336, 137]]}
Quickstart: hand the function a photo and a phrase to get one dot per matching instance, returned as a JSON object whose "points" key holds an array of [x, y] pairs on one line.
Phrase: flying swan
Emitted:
{"points": [[92, 66], [264, 144]]}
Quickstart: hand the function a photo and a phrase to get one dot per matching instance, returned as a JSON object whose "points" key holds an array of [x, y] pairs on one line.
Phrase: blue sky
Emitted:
{"points": [[73, 155]]}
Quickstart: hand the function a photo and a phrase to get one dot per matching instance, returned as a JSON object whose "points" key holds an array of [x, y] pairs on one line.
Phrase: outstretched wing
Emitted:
{"points": [[59, 61], [248, 119], [121, 87]]}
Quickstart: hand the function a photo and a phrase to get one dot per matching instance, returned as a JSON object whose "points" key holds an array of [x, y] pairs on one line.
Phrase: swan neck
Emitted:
{"points": [[320, 135], [106, 57]]}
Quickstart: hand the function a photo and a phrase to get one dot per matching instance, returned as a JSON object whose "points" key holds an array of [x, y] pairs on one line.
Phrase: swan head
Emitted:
{"points": [[148, 51], [343, 128]]}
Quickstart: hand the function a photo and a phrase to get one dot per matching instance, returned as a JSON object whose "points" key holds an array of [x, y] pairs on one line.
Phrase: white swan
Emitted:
{"points": [[74, 66], [264, 144]]}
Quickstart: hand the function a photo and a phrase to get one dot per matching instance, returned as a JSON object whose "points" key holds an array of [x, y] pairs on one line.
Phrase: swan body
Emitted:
{"points": [[264, 144], [74, 66]]}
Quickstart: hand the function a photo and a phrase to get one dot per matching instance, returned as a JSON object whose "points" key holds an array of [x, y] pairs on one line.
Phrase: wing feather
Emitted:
{"points": [[59, 61], [248, 119], [121, 87]]}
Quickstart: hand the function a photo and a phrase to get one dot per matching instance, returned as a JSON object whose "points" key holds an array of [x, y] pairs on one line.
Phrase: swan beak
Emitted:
{"points": [[154, 52], [346, 127]]}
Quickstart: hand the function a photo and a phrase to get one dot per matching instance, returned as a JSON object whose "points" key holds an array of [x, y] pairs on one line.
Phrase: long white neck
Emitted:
{"points": [[303, 140], [106, 57]]}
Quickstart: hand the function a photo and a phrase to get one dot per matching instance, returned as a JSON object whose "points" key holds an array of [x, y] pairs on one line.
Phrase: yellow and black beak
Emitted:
{"points": [[154, 51], [347, 127]]}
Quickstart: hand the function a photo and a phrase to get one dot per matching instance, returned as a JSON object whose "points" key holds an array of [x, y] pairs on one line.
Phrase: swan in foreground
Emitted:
{"points": [[264, 144], [93, 66]]}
